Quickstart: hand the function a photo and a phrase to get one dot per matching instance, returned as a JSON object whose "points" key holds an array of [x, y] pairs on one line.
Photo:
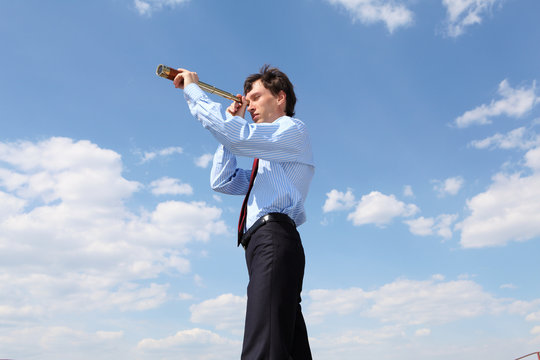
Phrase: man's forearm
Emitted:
{"points": [[225, 177]]}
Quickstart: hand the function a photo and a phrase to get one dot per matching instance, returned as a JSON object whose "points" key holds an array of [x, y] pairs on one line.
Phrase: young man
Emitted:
{"points": [[275, 191]]}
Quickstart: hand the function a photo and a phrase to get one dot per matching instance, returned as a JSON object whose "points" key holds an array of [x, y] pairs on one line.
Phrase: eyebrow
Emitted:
{"points": [[251, 94]]}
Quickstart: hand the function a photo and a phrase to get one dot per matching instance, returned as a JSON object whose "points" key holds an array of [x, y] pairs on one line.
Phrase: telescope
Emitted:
{"points": [[170, 73]]}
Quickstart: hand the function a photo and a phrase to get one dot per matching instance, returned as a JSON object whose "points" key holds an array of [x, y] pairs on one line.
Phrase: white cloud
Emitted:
{"points": [[10, 204], [227, 311], [113, 335], [408, 302], [394, 14], [182, 338], [337, 200], [407, 191], [65, 206], [532, 159], [170, 186], [450, 186], [379, 209], [421, 226], [56, 342], [518, 138], [535, 316], [443, 226], [373, 208], [341, 346], [464, 13], [196, 344], [509, 210], [185, 296], [147, 7], [198, 280], [150, 155], [514, 103], [422, 332], [338, 301], [203, 160]]}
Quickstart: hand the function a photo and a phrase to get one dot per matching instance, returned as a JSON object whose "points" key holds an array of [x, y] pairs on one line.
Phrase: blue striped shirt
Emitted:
{"points": [[285, 158]]}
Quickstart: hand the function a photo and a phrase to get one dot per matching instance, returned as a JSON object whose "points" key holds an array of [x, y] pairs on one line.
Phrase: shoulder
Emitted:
{"points": [[287, 121]]}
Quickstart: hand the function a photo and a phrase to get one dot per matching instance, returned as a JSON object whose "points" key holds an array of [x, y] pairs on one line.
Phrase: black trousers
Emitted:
{"points": [[275, 328]]}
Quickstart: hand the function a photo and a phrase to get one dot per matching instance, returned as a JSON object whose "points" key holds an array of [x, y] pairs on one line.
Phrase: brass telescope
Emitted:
{"points": [[170, 73]]}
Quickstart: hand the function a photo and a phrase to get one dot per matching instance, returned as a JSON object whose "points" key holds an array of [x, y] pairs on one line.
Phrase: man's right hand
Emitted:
{"points": [[184, 78], [238, 109]]}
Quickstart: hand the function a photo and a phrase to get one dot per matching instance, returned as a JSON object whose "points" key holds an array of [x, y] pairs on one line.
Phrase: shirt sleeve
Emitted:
{"points": [[283, 140], [225, 177]]}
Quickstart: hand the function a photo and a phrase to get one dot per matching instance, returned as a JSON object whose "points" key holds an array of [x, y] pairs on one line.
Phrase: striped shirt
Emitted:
{"points": [[285, 158]]}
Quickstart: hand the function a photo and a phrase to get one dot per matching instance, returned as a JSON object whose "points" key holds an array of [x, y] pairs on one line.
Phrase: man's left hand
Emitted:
{"points": [[238, 109], [184, 78]]}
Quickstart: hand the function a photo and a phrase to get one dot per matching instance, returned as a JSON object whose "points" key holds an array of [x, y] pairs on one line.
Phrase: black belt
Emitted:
{"points": [[279, 217]]}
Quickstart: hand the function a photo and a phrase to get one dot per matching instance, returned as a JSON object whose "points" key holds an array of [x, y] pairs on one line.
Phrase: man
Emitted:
{"points": [[275, 191]]}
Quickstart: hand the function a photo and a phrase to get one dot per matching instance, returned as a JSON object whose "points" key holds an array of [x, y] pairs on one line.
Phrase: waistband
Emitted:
{"points": [[271, 217]]}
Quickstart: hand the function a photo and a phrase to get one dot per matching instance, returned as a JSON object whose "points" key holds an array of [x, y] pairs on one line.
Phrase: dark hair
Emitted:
{"points": [[274, 80]]}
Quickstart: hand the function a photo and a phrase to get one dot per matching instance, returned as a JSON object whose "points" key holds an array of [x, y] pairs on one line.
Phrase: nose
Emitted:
{"points": [[250, 107]]}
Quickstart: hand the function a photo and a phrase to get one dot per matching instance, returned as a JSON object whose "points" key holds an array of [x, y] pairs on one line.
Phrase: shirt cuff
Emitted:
{"points": [[193, 93]]}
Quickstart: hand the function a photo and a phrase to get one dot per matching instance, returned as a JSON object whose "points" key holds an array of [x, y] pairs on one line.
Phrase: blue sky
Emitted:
{"points": [[423, 227]]}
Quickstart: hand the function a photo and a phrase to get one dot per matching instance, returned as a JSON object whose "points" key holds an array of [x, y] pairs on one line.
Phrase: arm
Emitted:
{"points": [[225, 177], [283, 140]]}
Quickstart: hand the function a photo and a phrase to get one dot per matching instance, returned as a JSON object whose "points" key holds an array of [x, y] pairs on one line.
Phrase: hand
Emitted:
{"points": [[238, 109], [184, 78]]}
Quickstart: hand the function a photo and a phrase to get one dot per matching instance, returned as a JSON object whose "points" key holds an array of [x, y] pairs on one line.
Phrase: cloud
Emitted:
{"points": [[147, 7], [203, 160], [421, 226], [182, 338], [197, 344], [394, 14], [54, 342], [337, 200], [407, 191], [441, 225], [227, 311], [533, 316], [422, 332], [342, 346], [379, 209], [374, 208], [532, 159], [509, 210], [450, 186], [68, 242], [464, 13], [150, 155], [514, 103], [407, 302], [519, 138], [170, 186]]}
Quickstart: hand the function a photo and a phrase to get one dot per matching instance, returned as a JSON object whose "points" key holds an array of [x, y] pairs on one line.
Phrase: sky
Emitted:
{"points": [[423, 228]]}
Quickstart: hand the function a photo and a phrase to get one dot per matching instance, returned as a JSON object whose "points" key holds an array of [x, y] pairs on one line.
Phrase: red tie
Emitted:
{"points": [[243, 212]]}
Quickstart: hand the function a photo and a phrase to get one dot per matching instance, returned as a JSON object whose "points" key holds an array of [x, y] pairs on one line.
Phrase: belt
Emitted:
{"points": [[271, 217]]}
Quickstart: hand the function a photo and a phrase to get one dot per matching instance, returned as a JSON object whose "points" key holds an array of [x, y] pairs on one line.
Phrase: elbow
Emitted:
{"points": [[217, 186]]}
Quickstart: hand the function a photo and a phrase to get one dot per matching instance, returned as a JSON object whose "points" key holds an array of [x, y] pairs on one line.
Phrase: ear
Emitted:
{"points": [[282, 98]]}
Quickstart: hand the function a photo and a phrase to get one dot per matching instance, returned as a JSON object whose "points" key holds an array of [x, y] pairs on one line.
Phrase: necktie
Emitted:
{"points": [[243, 211]]}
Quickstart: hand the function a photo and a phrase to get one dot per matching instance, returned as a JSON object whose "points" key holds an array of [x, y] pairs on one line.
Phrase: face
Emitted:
{"points": [[263, 105]]}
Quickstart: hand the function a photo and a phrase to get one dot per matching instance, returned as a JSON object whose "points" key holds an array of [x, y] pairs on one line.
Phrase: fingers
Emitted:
{"points": [[179, 81], [184, 78]]}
